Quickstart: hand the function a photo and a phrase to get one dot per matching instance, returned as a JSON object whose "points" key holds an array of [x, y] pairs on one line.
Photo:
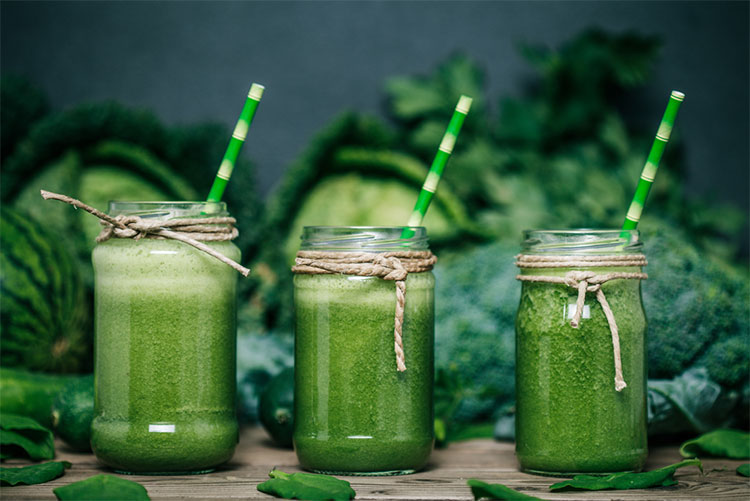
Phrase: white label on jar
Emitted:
{"points": [[161, 428], [572, 307]]}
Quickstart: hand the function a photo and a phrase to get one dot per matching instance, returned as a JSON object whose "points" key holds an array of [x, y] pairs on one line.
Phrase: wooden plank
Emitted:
{"points": [[443, 479]]}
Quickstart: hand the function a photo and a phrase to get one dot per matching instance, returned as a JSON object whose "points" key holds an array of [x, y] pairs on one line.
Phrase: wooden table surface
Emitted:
{"points": [[444, 479]]}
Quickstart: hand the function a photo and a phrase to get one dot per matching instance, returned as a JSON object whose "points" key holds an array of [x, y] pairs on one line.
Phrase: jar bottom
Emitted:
{"points": [[389, 473], [165, 473], [565, 474]]}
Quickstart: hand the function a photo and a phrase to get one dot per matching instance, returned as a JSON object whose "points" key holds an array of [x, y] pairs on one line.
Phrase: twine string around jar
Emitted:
{"points": [[587, 281], [192, 231], [394, 266]]}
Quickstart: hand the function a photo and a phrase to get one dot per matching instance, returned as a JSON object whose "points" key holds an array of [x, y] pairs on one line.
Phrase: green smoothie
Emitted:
{"points": [[165, 356], [569, 417], [354, 412]]}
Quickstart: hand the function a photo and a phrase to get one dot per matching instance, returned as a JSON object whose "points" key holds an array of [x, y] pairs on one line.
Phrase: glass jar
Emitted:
{"points": [[570, 417], [165, 348], [355, 413]]}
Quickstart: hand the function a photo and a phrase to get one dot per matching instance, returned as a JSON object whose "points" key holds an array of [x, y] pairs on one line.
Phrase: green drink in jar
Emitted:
{"points": [[356, 413], [581, 391]]}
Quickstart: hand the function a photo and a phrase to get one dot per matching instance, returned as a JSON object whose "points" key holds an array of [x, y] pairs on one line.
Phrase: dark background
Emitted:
{"points": [[194, 61]]}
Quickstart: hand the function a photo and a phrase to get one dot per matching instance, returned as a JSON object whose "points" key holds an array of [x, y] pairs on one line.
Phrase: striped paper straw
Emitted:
{"points": [[438, 164], [652, 163], [238, 138]]}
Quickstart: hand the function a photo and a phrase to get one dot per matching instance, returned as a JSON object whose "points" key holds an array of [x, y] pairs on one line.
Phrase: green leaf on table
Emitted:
{"points": [[33, 474], [483, 490], [657, 478], [744, 470], [306, 486], [21, 436], [102, 488], [733, 444]]}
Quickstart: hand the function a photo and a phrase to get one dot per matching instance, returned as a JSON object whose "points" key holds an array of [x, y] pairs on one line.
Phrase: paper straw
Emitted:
{"points": [[652, 163], [235, 143], [438, 164]]}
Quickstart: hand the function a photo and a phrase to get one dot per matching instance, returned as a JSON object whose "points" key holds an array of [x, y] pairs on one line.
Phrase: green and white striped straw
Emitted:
{"points": [[438, 164], [652, 163], [238, 138]]}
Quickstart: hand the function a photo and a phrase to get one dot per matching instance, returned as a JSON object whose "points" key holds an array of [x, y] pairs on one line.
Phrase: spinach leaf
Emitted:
{"points": [[744, 470], [734, 444], [494, 491], [21, 436], [102, 488], [34, 474], [690, 403], [306, 486], [656, 478]]}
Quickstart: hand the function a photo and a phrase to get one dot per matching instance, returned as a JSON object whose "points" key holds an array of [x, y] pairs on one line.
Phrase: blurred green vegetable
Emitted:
{"points": [[43, 309], [22, 437], [260, 357], [31, 394], [697, 307], [475, 307], [73, 412], [733, 444], [276, 407], [690, 403]]}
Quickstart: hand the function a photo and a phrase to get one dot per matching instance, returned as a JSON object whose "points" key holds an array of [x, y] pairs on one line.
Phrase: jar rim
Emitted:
{"points": [[582, 240], [580, 230], [167, 209], [364, 238]]}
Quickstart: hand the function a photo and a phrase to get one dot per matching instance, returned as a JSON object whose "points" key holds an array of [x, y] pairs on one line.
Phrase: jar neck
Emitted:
{"points": [[364, 238], [168, 210], [581, 242]]}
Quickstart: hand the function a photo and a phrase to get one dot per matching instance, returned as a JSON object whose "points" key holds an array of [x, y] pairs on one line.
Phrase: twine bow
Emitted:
{"points": [[190, 231], [394, 266], [587, 281]]}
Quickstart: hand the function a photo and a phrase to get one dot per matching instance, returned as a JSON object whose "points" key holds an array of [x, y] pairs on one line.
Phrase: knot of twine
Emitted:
{"points": [[587, 281], [191, 231], [394, 266]]}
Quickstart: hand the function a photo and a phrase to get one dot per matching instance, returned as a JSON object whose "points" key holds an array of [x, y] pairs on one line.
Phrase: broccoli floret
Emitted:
{"points": [[728, 361], [697, 309], [475, 307]]}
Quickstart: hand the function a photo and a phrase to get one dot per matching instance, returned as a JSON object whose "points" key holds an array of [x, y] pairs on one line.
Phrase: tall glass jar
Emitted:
{"points": [[165, 348], [355, 413], [572, 417]]}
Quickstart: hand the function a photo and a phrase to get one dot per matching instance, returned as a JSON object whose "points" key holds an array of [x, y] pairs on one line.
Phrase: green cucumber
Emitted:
{"points": [[31, 394], [73, 412], [276, 407]]}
